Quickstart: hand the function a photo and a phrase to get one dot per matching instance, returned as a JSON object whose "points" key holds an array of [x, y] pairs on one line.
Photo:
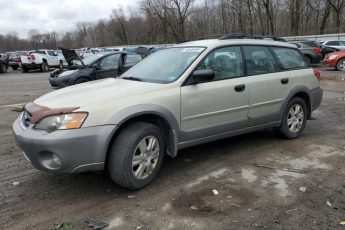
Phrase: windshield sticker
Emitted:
{"points": [[192, 50]]}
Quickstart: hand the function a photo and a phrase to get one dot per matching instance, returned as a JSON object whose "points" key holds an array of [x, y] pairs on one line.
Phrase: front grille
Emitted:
{"points": [[26, 119]]}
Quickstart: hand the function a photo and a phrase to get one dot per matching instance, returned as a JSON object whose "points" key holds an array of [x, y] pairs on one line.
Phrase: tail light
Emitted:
{"points": [[317, 74], [19, 59], [32, 57], [317, 50]]}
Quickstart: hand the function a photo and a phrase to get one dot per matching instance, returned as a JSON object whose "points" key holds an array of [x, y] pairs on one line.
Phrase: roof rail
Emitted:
{"points": [[247, 36]]}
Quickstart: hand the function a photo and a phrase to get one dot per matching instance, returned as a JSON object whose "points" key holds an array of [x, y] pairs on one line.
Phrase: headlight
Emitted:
{"points": [[332, 57], [66, 73], [61, 122]]}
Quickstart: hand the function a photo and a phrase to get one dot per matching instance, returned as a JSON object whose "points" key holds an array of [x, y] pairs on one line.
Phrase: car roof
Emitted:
{"points": [[212, 43]]}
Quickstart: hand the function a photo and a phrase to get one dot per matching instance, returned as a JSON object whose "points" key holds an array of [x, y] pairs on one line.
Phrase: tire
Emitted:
{"points": [[341, 65], [298, 120], [3, 68], [14, 67], [80, 80], [44, 67], [126, 146], [25, 70], [60, 65]]}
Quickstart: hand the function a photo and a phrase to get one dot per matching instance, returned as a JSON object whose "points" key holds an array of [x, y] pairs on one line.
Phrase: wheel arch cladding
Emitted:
{"points": [[299, 91], [150, 113]]}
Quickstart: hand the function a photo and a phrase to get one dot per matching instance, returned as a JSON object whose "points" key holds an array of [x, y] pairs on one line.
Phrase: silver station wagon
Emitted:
{"points": [[189, 94]]}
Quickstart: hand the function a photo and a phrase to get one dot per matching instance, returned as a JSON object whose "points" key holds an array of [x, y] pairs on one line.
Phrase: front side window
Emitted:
{"points": [[259, 60], [132, 59], [51, 53], [110, 62], [226, 62], [289, 58], [164, 66]]}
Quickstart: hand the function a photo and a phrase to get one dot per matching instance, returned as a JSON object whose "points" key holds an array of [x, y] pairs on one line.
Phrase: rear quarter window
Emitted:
{"points": [[290, 58]]}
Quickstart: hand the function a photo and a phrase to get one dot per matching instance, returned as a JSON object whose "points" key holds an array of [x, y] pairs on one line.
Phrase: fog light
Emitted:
{"points": [[50, 160]]}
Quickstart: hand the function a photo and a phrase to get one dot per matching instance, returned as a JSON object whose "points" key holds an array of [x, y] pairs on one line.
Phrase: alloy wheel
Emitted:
{"points": [[295, 118], [145, 157]]}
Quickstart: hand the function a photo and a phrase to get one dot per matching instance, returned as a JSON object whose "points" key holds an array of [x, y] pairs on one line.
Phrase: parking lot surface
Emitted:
{"points": [[253, 181]]}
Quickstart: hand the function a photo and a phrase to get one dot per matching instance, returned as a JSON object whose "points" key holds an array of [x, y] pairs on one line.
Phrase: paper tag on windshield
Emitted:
{"points": [[192, 50]]}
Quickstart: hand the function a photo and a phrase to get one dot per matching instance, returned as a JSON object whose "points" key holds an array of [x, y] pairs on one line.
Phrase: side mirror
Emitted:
{"points": [[201, 76]]}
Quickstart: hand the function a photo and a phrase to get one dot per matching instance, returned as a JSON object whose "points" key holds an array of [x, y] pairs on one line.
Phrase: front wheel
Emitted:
{"points": [[44, 67], [14, 67], [341, 65], [294, 119], [136, 155]]}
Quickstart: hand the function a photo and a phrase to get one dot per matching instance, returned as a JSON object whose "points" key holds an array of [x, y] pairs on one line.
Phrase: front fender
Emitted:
{"points": [[151, 109]]}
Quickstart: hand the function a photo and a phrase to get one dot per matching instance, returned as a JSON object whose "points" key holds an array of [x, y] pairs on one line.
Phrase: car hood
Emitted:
{"points": [[94, 92], [70, 56]]}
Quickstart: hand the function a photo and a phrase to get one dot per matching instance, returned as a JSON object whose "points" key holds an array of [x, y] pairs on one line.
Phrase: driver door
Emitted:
{"points": [[218, 106], [107, 67]]}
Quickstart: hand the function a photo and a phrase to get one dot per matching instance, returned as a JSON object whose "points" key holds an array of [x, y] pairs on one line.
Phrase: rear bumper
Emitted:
{"points": [[30, 65], [315, 98], [78, 150], [56, 82]]}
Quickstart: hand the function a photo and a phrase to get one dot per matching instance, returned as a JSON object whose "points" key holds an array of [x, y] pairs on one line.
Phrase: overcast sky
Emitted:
{"points": [[59, 15]]}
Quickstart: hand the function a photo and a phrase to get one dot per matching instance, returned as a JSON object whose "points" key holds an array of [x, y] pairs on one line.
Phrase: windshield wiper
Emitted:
{"points": [[133, 78]]}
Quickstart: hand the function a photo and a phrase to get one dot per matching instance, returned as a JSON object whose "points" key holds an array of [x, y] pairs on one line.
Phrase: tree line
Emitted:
{"points": [[174, 21]]}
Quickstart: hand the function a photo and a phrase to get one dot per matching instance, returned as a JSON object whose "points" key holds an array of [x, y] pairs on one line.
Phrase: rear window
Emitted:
{"points": [[290, 58], [310, 43]]}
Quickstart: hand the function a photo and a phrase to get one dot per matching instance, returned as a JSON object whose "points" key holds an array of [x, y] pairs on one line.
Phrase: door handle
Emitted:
{"points": [[240, 88], [284, 81]]}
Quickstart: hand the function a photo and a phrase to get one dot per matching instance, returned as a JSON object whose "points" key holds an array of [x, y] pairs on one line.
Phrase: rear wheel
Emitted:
{"points": [[25, 70], [294, 119], [3, 68], [341, 65], [14, 67], [136, 155], [60, 65], [44, 67]]}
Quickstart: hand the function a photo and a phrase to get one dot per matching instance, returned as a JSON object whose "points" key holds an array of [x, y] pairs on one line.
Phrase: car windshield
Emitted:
{"points": [[164, 66]]}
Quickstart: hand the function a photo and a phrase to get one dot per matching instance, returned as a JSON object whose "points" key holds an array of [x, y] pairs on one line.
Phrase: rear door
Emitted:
{"points": [[267, 85], [107, 67], [218, 106]]}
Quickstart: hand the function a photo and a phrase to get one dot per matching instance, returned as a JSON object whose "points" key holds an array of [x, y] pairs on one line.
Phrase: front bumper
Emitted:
{"points": [[79, 150], [57, 82]]}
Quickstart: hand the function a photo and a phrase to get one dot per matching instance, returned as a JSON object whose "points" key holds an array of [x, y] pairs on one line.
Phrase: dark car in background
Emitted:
{"points": [[94, 67], [3, 63], [309, 49]]}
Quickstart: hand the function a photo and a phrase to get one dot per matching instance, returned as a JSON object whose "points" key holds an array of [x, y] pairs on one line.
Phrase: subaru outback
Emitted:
{"points": [[189, 94]]}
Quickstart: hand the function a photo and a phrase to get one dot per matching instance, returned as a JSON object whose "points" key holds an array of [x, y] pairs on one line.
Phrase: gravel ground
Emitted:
{"points": [[249, 197]]}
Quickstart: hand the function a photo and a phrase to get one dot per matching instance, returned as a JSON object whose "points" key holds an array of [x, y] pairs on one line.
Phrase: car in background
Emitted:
{"points": [[3, 63], [40, 59], [93, 67], [309, 49], [335, 60], [335, 44], [61, 57]]}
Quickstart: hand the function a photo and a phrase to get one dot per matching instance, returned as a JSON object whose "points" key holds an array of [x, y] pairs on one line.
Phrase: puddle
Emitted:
{"points": [[204, 202]]}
